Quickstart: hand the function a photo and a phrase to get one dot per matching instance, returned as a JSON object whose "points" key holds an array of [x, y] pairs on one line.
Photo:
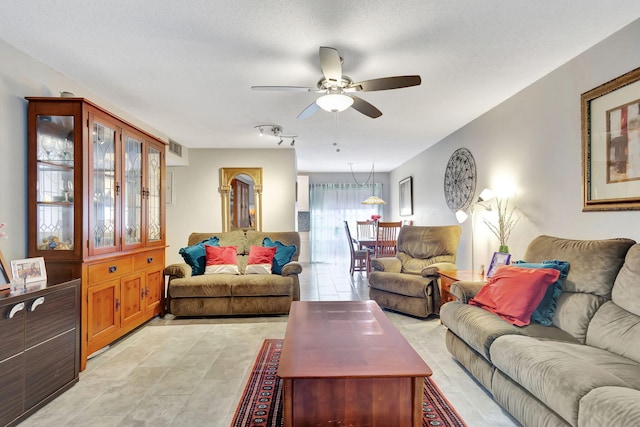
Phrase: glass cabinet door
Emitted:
{"points": [[132, 191], [55, 182], [104, 188], [154, 194], [55, 174]]}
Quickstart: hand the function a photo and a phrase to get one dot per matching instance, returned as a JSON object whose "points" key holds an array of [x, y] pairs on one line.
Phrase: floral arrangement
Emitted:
{"points": [[507, 220], [3, 234], [375, 218]]}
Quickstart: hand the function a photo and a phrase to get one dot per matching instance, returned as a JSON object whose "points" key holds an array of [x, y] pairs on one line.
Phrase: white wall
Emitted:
{"points": [[197, 205], [21, 76], [533, 142]]}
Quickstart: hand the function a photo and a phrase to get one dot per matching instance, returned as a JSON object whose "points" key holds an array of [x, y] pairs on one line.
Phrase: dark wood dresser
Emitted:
{"points": [[39, 347]]}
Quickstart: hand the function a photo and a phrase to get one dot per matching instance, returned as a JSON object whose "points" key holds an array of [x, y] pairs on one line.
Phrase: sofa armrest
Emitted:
{"points": [[433, 269], [464, 291], [291, 268], [177, 271], [387, 264]]}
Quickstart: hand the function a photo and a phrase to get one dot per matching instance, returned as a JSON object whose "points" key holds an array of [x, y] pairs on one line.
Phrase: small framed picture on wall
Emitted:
{"points": [[406, 197]]}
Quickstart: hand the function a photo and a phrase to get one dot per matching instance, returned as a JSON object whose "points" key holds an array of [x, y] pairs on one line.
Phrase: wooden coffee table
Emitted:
{"points": [[344, 363]]}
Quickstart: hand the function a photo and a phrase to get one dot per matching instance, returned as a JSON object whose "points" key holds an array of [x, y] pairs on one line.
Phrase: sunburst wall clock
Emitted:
{"points": [[460, 180]]}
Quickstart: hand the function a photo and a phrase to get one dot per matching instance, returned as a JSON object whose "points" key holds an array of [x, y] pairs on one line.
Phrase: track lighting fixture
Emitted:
{"points": [[275, 130]]}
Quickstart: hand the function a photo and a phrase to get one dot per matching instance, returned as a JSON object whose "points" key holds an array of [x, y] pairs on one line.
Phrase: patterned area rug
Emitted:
{"points": [[261, 402]]}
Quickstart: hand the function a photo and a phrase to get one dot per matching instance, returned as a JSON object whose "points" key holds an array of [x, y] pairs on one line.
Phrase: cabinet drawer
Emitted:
{"points": [[109, 270], [148, 259]]}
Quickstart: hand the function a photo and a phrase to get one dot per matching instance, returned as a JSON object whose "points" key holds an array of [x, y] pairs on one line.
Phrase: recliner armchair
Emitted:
{"points": [[409, 282]]}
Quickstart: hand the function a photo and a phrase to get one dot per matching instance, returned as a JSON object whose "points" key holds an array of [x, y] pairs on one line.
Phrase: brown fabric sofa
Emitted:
{"points": [[584, 369], [409, 282], [229, 294]]}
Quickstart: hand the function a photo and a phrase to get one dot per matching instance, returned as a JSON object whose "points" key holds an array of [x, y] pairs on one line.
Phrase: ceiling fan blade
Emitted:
{"points": [[365, 108], [309, 111], [285, 88], [330, 64], [386, 83]]}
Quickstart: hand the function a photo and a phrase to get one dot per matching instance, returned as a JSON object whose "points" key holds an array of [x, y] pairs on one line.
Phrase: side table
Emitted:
{"points": [[449, 277]]}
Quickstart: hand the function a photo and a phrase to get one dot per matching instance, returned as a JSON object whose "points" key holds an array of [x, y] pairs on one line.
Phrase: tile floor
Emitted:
{"points": [[191, 372]]}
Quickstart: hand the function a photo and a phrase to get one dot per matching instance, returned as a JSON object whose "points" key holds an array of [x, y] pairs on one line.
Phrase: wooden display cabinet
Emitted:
{"points": [[97, 212]]}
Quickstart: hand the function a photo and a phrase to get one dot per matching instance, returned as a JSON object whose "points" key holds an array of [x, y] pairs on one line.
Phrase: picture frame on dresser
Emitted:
{"points": [[406, 196], [611, 144], [30, 269]]}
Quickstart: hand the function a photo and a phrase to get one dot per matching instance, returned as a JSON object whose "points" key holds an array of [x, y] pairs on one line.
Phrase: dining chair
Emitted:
{"points": [[359, 257], [365, 230], [387, 238]]}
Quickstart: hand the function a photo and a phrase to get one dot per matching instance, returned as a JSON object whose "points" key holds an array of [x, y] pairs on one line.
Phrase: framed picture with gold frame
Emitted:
{"points": [[611, 145]]}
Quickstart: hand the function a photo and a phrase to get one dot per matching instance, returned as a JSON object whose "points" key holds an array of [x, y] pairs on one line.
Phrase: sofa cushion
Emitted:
{"points": [[221, 260], [558, 373], [480, 328], [594, 263], [615, 329], [420, 247], [543, 314], [260, 260], [211, 285], [626, 290], [229, 238], [261, 285], [594, 267], [610, 406], [513, 293], [228, 285], [196, 256], [284, 253]]}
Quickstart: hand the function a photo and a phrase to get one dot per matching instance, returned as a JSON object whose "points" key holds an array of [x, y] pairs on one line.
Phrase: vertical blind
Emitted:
{"points": [[330, 206]]}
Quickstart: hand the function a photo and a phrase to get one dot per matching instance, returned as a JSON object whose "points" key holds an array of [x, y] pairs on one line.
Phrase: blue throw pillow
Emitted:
{"points": [[284, 253], [543, 314], [196, 255]]}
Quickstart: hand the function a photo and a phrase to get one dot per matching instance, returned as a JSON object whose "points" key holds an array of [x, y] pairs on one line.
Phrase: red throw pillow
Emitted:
{"points": [[221, 260], [260, 260], [513, 293]]}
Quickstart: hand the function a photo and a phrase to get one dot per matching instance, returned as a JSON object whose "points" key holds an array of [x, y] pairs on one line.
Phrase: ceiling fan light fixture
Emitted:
{"points": [[334, 102]]}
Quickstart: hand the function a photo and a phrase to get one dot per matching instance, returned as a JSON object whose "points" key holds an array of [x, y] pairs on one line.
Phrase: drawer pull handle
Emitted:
{"points": [[113, 269], [150, 260], [36, 303], [16, 308]]}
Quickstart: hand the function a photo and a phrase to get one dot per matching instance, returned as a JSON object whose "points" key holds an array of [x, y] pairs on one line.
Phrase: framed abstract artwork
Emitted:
{"points": [[611, 145]]}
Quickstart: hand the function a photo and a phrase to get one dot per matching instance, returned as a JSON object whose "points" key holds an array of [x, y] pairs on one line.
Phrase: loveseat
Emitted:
{"points": [[582, 370], [409, 282], [235, 294]]}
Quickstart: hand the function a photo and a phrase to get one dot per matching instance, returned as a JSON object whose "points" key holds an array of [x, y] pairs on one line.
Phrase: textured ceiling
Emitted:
{"points": [[186, 67]]}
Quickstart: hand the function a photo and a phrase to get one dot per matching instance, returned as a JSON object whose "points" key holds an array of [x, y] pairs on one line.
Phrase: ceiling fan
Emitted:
{"points": [[338, 88]]}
